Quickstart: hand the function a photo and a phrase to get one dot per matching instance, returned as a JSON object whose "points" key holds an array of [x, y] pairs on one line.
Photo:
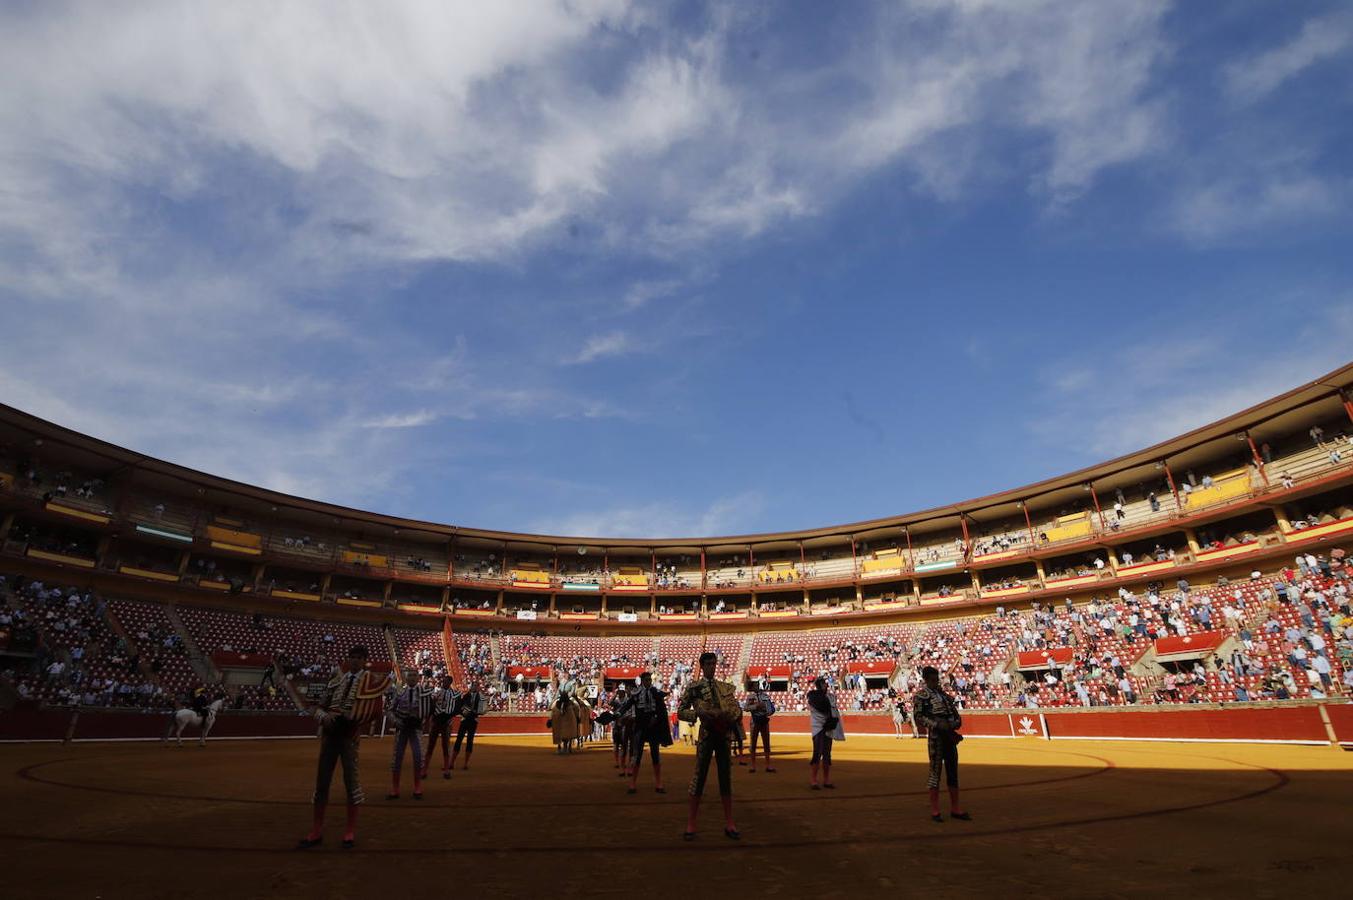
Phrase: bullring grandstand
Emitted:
{"points": [[1194, 591], [573, 448]]}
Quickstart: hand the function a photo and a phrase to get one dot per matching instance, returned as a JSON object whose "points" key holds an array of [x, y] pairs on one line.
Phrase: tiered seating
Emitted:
{"points": [[1073, 527], [936, 553], [582, 657], [476, 653], [629, 578], [1138, 513], [674, 577], [419, 649], [1308, 463], [472, 566], [682, 654], [827, 652], [527, 575], [1009, 539], [730, 576], [318, 646], [837, 568], [973, 653], [427, 560], [149, 626], [102, 671], [302, 545], [162, 516], [1225, 487], [781, 572]]}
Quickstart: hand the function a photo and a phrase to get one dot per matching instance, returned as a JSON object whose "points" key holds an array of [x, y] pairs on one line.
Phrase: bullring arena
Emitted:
{"points": [[1151, 658], [1079, 818]]}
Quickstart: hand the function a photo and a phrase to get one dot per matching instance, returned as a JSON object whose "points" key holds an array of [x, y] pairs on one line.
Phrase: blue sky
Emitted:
{"points": [[597, 268]]}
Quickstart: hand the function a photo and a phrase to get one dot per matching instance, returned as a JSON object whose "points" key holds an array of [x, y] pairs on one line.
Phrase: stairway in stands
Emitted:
{"points": [[289, 687], [389, 634], [453, 664], [143, 654], [744, 660], [202, 665], [496, 653]]}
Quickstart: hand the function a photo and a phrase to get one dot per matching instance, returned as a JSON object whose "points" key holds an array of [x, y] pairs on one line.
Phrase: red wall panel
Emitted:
{"points": [[1290, 723], [1341, 717]]}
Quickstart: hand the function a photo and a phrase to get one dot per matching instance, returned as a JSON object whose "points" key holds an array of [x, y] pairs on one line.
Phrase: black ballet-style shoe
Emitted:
{"points": [[391, 796], [631, 790], [688, 835], [937, 818], [418, 796], [306, 843], [446, 775], [732, 834], [962, 817], [660, 790], [830, 787], [349, 843]]}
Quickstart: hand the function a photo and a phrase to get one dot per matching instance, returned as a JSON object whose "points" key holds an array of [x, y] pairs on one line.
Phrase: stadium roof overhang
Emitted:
{"points": [[1279, 415]]}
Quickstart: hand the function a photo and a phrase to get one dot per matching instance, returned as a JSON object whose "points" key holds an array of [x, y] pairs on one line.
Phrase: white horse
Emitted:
{"points": [[185, 717]]}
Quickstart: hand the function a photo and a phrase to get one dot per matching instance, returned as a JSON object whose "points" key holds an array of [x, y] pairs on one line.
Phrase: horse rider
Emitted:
{"points": [[200, 703]]}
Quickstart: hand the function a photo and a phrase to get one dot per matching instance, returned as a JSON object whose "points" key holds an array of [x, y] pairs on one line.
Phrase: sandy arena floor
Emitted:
{"points": [[1067, 818]]}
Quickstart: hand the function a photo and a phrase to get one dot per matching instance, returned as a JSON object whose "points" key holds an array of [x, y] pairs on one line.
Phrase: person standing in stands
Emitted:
{"points": [[761, 707], [350, 699], [469, 706], [409, 707], [936, 711], [443, 711], [825, 724], [713, 705]]}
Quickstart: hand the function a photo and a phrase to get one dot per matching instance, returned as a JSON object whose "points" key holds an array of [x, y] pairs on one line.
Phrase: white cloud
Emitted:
{"points": [[1320, 39], [182, 189], [641, 293], [657, 519], [601, 346], [403, 420], [1138, 395], [1259, 198], [419, 131]]}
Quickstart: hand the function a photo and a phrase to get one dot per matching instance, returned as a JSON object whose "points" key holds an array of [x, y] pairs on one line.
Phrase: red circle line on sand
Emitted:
{"points": [[27, 774], [1281, 779]]}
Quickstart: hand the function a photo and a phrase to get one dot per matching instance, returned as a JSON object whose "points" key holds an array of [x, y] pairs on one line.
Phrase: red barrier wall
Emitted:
{"points": [[1279, 723], [48, 725], [1341, 719], [987, 725], [31, 724], [1274, 723]]}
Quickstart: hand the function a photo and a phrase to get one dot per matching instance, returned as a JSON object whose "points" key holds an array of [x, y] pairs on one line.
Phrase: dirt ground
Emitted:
{"points": [[1064, 818]]}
